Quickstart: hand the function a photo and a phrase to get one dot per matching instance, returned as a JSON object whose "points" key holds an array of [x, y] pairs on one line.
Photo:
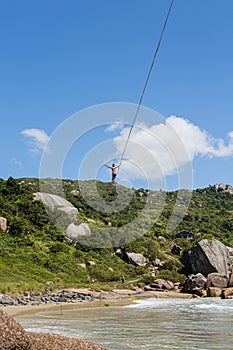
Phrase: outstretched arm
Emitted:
{"points": [[108, 166]]}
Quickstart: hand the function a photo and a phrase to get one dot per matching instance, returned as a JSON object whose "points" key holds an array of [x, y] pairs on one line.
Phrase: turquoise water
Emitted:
{"points": [[147, 324]]}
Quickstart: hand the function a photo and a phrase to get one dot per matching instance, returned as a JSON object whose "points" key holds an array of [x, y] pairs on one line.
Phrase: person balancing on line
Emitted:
{"points": [[114, 171]]}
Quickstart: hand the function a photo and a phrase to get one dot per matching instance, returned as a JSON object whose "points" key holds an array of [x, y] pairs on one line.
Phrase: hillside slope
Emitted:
{"points": [[34, 250]]}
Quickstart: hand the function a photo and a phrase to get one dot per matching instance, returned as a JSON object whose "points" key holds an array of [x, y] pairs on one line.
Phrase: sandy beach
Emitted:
{"points": [[44, 341], [116, 297]]}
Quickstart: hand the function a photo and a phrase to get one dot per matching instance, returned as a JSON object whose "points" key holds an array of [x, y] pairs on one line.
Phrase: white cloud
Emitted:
{"points": [[199, 142], [17, 163], [38, 139], [118, 125], [163, 149]]}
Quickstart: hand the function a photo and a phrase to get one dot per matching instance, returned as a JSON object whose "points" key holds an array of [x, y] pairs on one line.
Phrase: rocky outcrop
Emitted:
{"points": [[14, 337], [75, 192], [73, 231], [131, 258], [206, 257], [12, 334], [136, 259], [46, 297], [3, 224], [216, 280], [223, 188], [215, 285], [54, 201], [194, 284]]}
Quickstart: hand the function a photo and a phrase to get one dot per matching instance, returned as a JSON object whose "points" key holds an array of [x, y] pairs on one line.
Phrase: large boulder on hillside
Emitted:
{"points": [[53, 201], [135, 259], [221, 188], [206, 257], [73, 231], [216, 280], [194, 284], [3, 224], [12, 334]]}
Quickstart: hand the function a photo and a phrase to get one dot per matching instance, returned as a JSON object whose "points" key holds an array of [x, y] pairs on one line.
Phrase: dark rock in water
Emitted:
{"points": [[12, 334], [206, 257], [216, 280], [194, 284]]}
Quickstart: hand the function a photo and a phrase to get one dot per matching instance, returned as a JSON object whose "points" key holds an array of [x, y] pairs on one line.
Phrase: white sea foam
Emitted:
{"points": [[197, 324], [155, 303]]}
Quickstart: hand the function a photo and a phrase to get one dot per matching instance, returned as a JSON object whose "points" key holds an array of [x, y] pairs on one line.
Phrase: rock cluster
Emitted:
{"points": [[14, 337], [215, 285], [209, 266], [222, 188], [45, 297]]}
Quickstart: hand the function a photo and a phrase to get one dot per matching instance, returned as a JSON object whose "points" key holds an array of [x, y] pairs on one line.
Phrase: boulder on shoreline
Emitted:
{"points": [[47, 297], [206, 257], [216, 280], [14, 337], [194, 284]]}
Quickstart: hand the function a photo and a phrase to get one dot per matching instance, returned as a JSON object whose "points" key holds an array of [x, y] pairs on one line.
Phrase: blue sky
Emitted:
{"points": [[60, 57]]}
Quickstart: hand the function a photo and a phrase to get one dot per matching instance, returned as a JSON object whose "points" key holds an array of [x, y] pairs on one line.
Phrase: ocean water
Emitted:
{"points": [[146, 324]]}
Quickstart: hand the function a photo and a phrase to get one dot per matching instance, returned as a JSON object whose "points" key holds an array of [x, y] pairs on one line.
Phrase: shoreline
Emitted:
{"points": [[116, 297]]}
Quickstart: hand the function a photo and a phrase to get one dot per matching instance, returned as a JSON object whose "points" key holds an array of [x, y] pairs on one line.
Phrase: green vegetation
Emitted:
{"points": [[34, 251]]}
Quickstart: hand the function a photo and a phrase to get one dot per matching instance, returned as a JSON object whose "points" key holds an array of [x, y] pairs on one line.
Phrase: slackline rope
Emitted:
{"points": [[147, 80]]}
